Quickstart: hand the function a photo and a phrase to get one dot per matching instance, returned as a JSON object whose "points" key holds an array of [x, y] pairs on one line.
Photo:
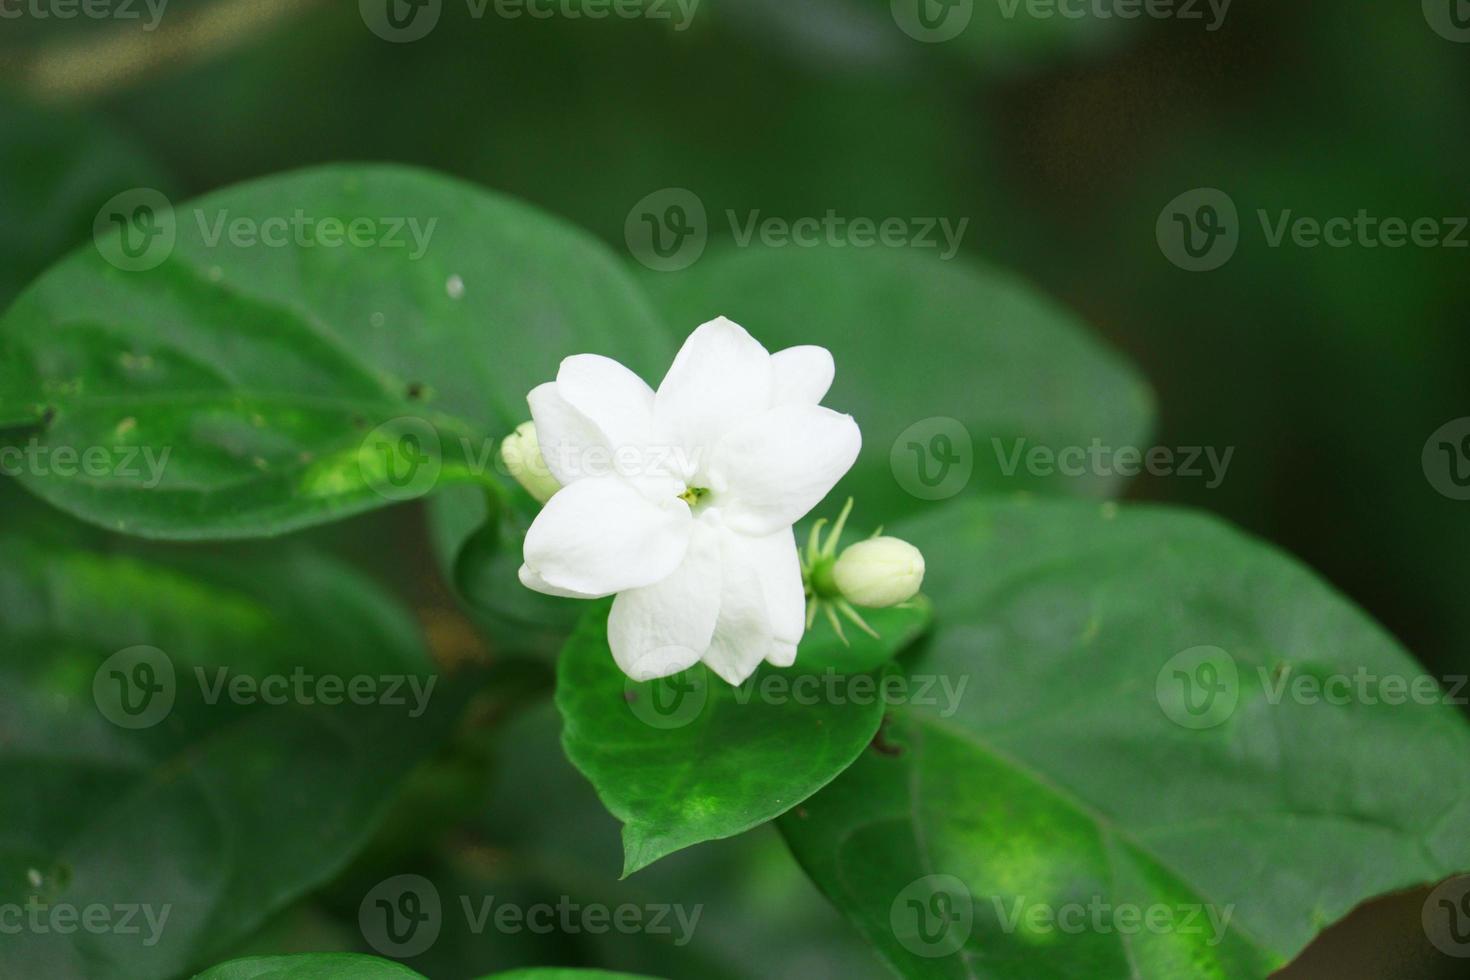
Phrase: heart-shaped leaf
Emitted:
{"points": [[1139, 781], [301, 348], [689, 758]]}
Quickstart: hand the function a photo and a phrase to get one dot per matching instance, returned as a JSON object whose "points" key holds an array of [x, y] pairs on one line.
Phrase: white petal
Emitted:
{"points": [[778, 567], [664, 628], [614, 399], [568, 439], [721, 375], [538, 584], [742, 637], [600, 536], [803, 375], [771, 470]]}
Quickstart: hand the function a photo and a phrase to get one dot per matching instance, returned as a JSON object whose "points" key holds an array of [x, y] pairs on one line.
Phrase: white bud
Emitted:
{"points": [[521, 453], [879, 572]]}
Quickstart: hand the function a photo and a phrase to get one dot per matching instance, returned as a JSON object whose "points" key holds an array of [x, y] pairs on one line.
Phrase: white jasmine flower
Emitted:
{"points": [[680, 502]]}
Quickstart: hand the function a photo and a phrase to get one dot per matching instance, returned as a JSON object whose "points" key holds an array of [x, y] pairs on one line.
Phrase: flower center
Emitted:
{"points": [[694, 496]]}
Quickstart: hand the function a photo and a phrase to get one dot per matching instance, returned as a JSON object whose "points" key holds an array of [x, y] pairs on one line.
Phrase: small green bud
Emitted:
{"points": [[879, 572], [521, 453]]}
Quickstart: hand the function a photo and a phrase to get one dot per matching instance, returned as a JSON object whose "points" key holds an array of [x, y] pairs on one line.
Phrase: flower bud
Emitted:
{"points": [[521, 453], [879, 572]]}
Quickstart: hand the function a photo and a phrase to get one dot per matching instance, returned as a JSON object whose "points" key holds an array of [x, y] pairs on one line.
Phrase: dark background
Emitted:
{"points": [[1061, 141]]}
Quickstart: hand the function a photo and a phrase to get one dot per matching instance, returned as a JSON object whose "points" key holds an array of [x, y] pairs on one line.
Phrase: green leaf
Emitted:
{"points": [[350, 966], [689, 758], [145, 769], [310, 966], [972, 360], [1072, 772], [296, 372], [561, 973], [561, 836]]}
